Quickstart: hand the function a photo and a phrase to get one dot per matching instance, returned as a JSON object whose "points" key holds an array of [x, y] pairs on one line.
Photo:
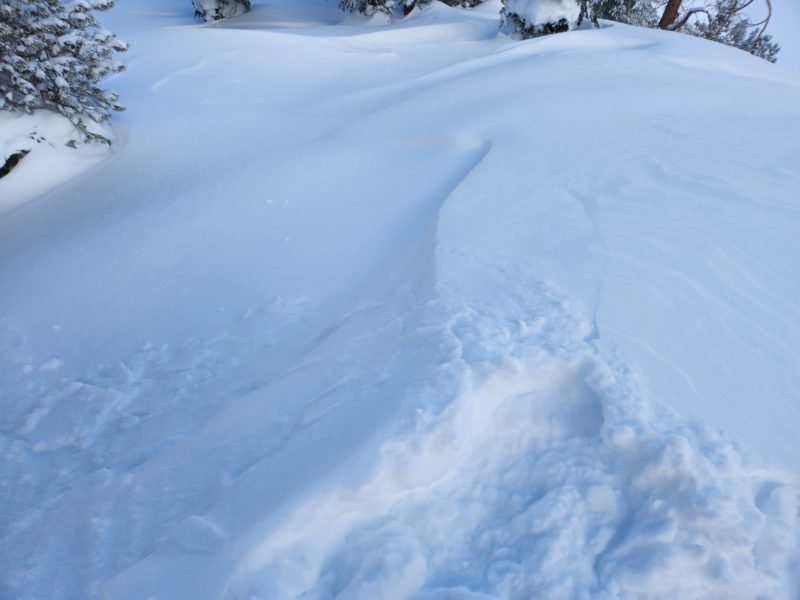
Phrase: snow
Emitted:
{"points": [[53, 156], [540, 12], [406, 311]]}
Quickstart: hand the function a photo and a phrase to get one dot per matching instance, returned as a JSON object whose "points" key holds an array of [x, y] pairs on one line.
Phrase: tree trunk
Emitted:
{"points": [[670, 14]]}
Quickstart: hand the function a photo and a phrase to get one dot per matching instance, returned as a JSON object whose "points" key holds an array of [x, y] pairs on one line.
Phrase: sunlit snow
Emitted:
{"points": [[354, 310]]}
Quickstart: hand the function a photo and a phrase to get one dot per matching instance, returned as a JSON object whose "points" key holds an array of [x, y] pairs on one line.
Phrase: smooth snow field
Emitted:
{"points": [[411, 311]]}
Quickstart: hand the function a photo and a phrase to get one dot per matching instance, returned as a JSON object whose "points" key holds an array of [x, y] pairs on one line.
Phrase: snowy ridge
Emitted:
{"points": [[414, 312]]}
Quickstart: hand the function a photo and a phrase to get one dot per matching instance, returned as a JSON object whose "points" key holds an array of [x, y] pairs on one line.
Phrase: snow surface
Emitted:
{"points": [[412, 311], [54, 155]]}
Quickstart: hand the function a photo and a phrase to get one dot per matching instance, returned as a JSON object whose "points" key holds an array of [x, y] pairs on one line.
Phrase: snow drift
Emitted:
{"points": [[415, 311]]}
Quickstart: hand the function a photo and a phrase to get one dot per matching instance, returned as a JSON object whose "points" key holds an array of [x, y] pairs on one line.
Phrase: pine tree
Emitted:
{"points": [[53, 56], [463, 3], [726, 23], [214, 10], [644, 13], [723, 21], [388, 7], [396, 7]]}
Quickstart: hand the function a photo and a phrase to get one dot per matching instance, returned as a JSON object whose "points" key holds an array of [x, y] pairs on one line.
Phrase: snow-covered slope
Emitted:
{"points": [[412, 311]]}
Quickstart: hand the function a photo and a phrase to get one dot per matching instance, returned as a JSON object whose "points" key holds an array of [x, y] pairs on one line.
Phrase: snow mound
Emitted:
{"points": [[56, 154]]}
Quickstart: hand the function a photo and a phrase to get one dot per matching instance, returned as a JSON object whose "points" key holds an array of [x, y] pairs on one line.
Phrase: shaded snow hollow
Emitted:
{"points": [[409, 311]]}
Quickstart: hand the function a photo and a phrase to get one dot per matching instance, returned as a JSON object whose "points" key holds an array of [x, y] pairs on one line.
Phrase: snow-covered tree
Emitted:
{"points": [[52, 57], [724, 21], [634, 12], [389, 7], [533, 18], [395, 7], [368, 7], [463, 3], [214, 10]]}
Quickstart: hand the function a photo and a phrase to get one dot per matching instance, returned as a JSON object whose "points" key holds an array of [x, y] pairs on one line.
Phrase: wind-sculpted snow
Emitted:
{"points": [[546, 472], [413, 311], [547, 476]]}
